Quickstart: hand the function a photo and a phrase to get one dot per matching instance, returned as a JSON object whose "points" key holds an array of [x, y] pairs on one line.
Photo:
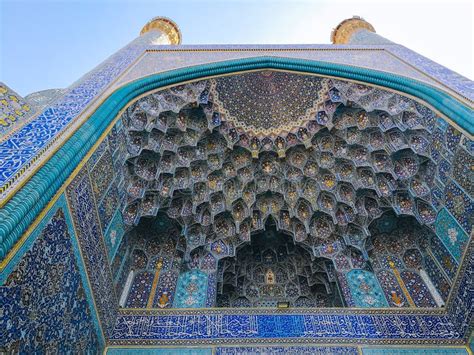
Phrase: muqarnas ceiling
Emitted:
{"points": [[273, 269], [323, 157]]}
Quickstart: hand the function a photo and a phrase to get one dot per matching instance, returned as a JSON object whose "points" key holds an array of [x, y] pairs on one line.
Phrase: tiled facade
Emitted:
{"points": [[83, 236], [59, 294]]}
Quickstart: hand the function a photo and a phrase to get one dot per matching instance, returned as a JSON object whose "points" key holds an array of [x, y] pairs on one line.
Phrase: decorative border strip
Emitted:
{"points": [[94, 254], [273, 311], [461, 85], [257, 329], [268, 347], [82, 269]]}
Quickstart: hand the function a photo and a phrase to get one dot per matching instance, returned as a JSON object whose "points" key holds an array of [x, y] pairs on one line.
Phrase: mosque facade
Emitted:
{"points": [[241, 199]]}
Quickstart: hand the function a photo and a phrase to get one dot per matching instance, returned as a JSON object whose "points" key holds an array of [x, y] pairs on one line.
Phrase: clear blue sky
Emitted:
{"points": [[50, 44]]}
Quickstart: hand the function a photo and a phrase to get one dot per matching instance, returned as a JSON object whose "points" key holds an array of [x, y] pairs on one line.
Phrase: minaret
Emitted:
{"points": [[356, 30], [163, 30]]}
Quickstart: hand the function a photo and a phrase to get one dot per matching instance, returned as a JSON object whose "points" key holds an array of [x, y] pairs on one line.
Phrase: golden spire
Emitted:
{"points": [[344, 31], [166, 26]]}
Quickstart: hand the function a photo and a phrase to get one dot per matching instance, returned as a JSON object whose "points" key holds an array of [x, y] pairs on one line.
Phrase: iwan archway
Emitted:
{"points": [[163, 195]]}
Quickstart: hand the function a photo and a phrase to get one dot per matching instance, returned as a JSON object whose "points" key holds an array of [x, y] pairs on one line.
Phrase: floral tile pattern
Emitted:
{"points": [[102, 175], [444, 258], [114, 235], [460, 205], [43, 302], [391, 288], [81, 202], [441, 282], [191, 291], [211, 290], [452, 235], [463, 170], [165, 292], [365, 289], [108, 206], [417, 288], [140, 290]]}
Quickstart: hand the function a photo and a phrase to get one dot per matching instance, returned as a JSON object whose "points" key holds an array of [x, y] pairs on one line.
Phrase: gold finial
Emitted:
{"points": [[344, 31], [165, 25]]}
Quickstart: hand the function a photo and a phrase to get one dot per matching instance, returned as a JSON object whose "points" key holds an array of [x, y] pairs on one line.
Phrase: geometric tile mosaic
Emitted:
{"points": [[452, 235]]}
